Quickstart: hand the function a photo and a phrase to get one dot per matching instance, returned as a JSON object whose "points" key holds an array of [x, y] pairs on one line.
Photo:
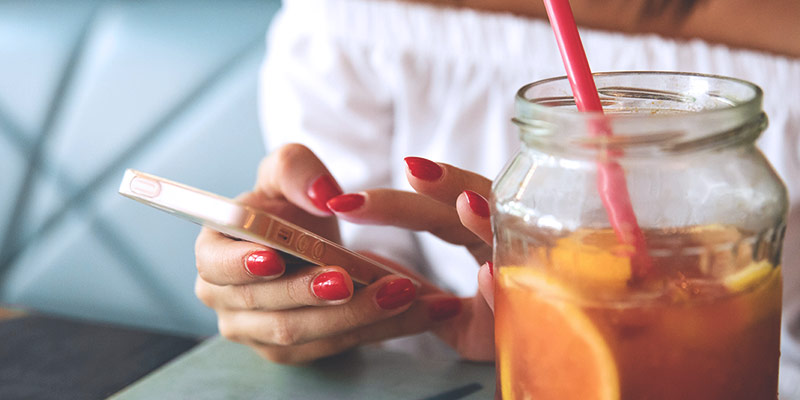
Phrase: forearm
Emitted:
{"points": [[769, 25]]}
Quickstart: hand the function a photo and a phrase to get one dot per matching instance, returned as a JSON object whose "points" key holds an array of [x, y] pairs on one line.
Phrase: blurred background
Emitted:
{"points": [[89, 88]]}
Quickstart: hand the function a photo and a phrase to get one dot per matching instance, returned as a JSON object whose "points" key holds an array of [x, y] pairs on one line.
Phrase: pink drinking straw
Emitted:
{"points": [[610, 177]]}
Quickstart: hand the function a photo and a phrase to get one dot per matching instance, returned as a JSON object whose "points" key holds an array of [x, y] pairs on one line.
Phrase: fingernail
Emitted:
{"points": [[441, 310], [491, 268], [264, 263], [423, 168], [323, 189], [396, 293], [331, 285], [346, 202], [477, 203]]}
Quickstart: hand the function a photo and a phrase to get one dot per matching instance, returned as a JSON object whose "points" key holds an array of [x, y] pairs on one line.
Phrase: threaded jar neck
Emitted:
{"points": [[647, 113]]}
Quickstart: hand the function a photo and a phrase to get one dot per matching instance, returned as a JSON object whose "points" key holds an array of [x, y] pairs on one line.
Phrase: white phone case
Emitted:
{"points": [[243, 222]]}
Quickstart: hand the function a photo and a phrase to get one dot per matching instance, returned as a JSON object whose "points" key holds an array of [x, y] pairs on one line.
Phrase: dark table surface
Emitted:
{"points": [[46, 357]]}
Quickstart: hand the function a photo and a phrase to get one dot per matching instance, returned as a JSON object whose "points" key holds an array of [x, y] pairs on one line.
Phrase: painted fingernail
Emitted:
{"points": [[346, 202], [396, 293], [491, 268], [264, 263], [323, 189], [477, 204], [441, 310], [331, 285], [423, 168]]}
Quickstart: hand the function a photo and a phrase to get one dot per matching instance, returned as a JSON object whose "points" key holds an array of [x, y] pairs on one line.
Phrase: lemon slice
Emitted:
{"points": [[576, 258], [548, 347], [748, 276]]}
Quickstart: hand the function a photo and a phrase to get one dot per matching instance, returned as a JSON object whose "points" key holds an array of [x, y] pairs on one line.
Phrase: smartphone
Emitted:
{"points": [[247, 223]]}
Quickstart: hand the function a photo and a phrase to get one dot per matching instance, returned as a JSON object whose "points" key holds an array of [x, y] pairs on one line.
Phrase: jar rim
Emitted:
{"points": [[665, 108], [754, 101]]}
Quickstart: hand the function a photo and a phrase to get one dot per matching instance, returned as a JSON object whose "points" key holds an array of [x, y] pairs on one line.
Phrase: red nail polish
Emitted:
{"points": [[323, 189], [423, 168], [346, 202], [331, 285], [477, 204], [264, 263], [491, 268], [441, 310], [396, 293]]}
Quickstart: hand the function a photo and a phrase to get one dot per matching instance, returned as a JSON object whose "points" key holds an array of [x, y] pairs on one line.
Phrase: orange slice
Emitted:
{"points": [[587, 260], [749, 276], [590, 264], [548, 347]]}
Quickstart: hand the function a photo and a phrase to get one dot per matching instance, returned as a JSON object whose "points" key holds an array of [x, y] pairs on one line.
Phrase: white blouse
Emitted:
{"points": [[365, 83]]}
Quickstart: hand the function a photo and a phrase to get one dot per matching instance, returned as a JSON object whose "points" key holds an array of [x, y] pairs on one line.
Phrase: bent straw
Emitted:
{"points": [[611, 177]]}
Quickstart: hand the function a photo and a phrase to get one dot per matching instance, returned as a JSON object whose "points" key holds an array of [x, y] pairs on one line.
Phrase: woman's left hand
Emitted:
{"points": [[451, 204]]}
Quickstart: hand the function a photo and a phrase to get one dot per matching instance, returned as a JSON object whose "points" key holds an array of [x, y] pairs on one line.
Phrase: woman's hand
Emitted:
{"points": [[300, 314], [451, 204]]}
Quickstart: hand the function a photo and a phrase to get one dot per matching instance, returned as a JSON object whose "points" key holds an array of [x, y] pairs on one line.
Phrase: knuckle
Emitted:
{"points": [[203, 255], [198, 259], [290, 155], [202, 292], [203, 268], [350, 316], [232, 267], [295, 290], [247, 297], [283, 334], [203, 272], [291, 152], [201, 242]]}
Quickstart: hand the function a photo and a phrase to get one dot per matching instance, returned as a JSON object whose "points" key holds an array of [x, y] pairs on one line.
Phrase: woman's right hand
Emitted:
{"points": [[301, 314]]}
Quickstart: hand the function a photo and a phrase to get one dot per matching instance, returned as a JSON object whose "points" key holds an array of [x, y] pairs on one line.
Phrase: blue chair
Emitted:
{"points": [[89, 88]]}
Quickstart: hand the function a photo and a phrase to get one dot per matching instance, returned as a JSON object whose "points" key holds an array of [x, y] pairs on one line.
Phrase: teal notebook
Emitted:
{"points": [[219, 369]]}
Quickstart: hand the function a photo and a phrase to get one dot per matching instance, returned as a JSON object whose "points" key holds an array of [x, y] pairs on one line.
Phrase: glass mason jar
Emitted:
{"points": [[576, 315]]}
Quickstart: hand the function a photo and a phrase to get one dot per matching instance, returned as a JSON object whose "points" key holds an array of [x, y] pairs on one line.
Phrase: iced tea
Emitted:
{"points": [[573, 323]]}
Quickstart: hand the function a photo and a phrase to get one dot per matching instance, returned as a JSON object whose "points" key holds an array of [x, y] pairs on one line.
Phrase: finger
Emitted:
{"points": [[471, 332], [427, 312], [443, 182], [224, 261], [307, 286], [486, 283], [389, 296], [426, 287], [473, 211], [294, 172], [405, 210]]}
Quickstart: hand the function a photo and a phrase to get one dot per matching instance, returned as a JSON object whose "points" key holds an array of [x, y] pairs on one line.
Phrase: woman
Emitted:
{"points": [[364, 84]]}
